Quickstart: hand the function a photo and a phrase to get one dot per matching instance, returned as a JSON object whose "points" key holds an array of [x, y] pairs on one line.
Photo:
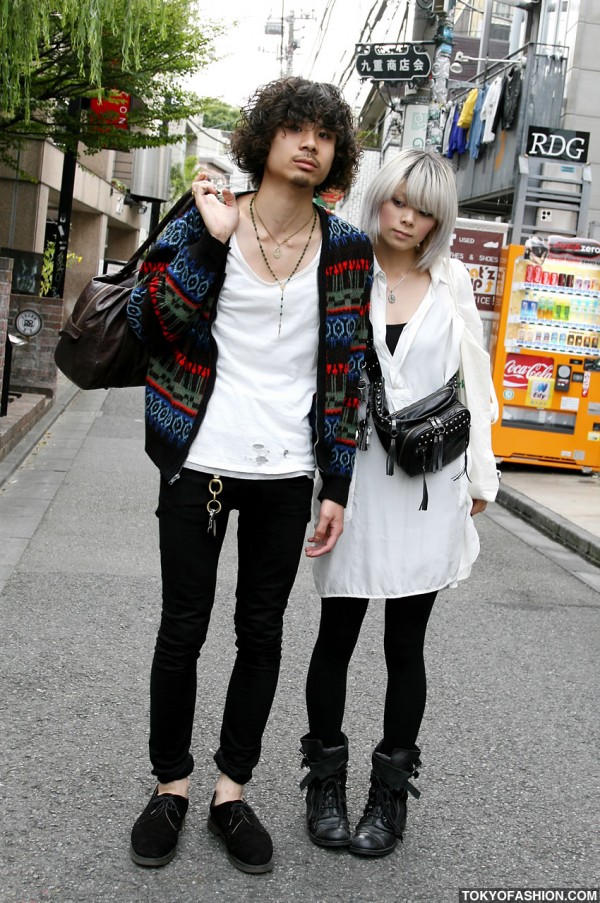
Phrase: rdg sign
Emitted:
{"points": [[557, 144]]}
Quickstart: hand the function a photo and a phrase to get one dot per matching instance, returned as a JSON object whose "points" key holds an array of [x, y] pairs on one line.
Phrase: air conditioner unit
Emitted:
{"points": [[566, 172], [552, 219]]}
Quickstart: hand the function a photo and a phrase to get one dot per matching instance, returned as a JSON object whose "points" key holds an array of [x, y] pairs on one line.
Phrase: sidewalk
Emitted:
{"points": [[28, 418], [562, 504]]}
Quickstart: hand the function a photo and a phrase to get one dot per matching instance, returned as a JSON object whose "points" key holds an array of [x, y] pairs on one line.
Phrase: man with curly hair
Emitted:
{"points": [[254, 309]]}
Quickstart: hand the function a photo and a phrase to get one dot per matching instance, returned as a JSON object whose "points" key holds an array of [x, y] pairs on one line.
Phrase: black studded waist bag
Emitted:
{"points": [[421, 438]]}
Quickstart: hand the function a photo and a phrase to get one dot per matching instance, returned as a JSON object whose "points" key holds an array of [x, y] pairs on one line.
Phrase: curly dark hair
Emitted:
{"points": [[296, 100]]}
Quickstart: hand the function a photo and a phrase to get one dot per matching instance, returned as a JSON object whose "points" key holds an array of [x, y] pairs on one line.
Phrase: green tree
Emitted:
{"points": [[181, 178], [144, 48], [371, 138], [27, 28], [219, 115]]}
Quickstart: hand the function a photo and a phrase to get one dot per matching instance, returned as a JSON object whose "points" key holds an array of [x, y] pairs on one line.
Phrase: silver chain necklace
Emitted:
{"points": [[391, 295]]}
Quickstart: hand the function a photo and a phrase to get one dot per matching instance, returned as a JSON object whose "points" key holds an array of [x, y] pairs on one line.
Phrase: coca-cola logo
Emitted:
{"points": [[520, 368]]}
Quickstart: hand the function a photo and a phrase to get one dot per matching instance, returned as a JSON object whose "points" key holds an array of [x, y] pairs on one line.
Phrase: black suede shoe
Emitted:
{"points": [[248, 844], [154, 835]]}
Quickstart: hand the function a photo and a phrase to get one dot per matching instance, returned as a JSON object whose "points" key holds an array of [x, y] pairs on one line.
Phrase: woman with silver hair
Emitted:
{"points": [[425, 328]]}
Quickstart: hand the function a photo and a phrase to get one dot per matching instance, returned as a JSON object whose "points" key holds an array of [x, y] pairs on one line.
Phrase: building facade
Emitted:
{"points": [[549, 45]]}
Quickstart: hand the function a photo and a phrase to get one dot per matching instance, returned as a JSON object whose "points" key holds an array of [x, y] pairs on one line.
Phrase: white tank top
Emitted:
{"points": [[257, 419]]}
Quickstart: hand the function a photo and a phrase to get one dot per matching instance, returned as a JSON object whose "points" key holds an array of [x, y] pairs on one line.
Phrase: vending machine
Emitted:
{"points": [[546, 360]]}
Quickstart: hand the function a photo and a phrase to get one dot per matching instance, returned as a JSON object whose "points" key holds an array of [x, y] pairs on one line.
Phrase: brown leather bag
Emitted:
{"points": [[96, 348]]}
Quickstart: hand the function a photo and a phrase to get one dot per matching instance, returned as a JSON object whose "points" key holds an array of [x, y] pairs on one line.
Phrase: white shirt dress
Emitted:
{"points": [[389, 548]]}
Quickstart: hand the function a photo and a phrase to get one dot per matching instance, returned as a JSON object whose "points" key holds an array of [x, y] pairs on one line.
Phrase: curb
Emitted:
{"points": [[551, 524], [17, 455]]}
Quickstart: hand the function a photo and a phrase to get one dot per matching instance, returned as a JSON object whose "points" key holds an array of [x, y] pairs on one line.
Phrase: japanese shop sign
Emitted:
{"points": [[479, 250], [392, 62]]}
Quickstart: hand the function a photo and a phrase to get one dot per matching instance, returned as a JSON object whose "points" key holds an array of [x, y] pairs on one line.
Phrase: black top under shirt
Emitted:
{"points": [[392, 334]]}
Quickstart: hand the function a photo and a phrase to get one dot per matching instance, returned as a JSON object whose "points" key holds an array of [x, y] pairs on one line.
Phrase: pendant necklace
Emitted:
{"points": [[391, 295], [277, 249], [282, 284]]}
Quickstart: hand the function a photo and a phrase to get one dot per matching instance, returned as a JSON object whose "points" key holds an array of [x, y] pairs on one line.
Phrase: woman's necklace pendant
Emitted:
{"points": [[277, 253], [391, 296]]}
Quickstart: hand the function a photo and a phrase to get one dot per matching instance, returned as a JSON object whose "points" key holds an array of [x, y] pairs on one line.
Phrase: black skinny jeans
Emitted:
{"points": [[271, 528], [405, 625]]}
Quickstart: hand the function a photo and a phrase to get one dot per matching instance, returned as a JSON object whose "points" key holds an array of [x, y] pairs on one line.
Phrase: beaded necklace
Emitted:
{"points": [[282, 284], [277, 249]]}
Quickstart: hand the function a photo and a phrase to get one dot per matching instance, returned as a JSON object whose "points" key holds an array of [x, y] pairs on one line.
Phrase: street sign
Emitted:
{"points": [[392, 62], [274, 26], [28, 322]]}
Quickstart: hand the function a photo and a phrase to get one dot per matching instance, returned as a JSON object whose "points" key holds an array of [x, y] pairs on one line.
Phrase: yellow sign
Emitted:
{"points": [[539, 392]]}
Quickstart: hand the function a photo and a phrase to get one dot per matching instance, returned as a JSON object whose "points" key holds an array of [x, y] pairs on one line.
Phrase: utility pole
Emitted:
{"points": [[276, 26], [443, 38], [65, 207]]}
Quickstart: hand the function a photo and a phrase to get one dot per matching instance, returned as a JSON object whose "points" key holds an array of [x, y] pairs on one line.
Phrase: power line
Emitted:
{"points": [[367, 28], [321, 33], [380, 14]]}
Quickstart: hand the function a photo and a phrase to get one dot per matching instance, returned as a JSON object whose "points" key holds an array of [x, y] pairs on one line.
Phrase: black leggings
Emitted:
{"points": [[405, 625]]}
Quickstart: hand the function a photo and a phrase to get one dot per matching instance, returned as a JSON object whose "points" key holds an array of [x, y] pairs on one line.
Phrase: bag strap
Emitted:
{"points": [[180, 206], [373, 367], [494, 406]]}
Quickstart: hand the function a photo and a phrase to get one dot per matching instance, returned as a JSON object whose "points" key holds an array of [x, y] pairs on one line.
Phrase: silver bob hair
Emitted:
{"points": [[429, 183]]}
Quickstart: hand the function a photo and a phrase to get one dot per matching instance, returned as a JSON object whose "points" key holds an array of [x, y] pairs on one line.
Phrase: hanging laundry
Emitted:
{"points": [[448, 128], [466, 116], [497, 123], [513, 82], [488, 110], [476, 130], [458, 137]]}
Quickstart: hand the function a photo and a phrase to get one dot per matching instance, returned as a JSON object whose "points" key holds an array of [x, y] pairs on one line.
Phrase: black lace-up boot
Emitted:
{"points": [[384, 818], [326, 810]]}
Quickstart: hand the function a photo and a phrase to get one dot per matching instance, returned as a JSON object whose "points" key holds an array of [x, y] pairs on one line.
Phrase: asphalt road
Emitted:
{"points": [[510, 774]]}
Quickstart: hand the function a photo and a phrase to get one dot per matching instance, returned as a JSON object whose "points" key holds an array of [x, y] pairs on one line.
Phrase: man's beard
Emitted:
{"points": [[301, 181]]}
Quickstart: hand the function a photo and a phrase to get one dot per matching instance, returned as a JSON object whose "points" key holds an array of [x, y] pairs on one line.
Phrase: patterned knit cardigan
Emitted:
{"points": [[174, 304]]}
